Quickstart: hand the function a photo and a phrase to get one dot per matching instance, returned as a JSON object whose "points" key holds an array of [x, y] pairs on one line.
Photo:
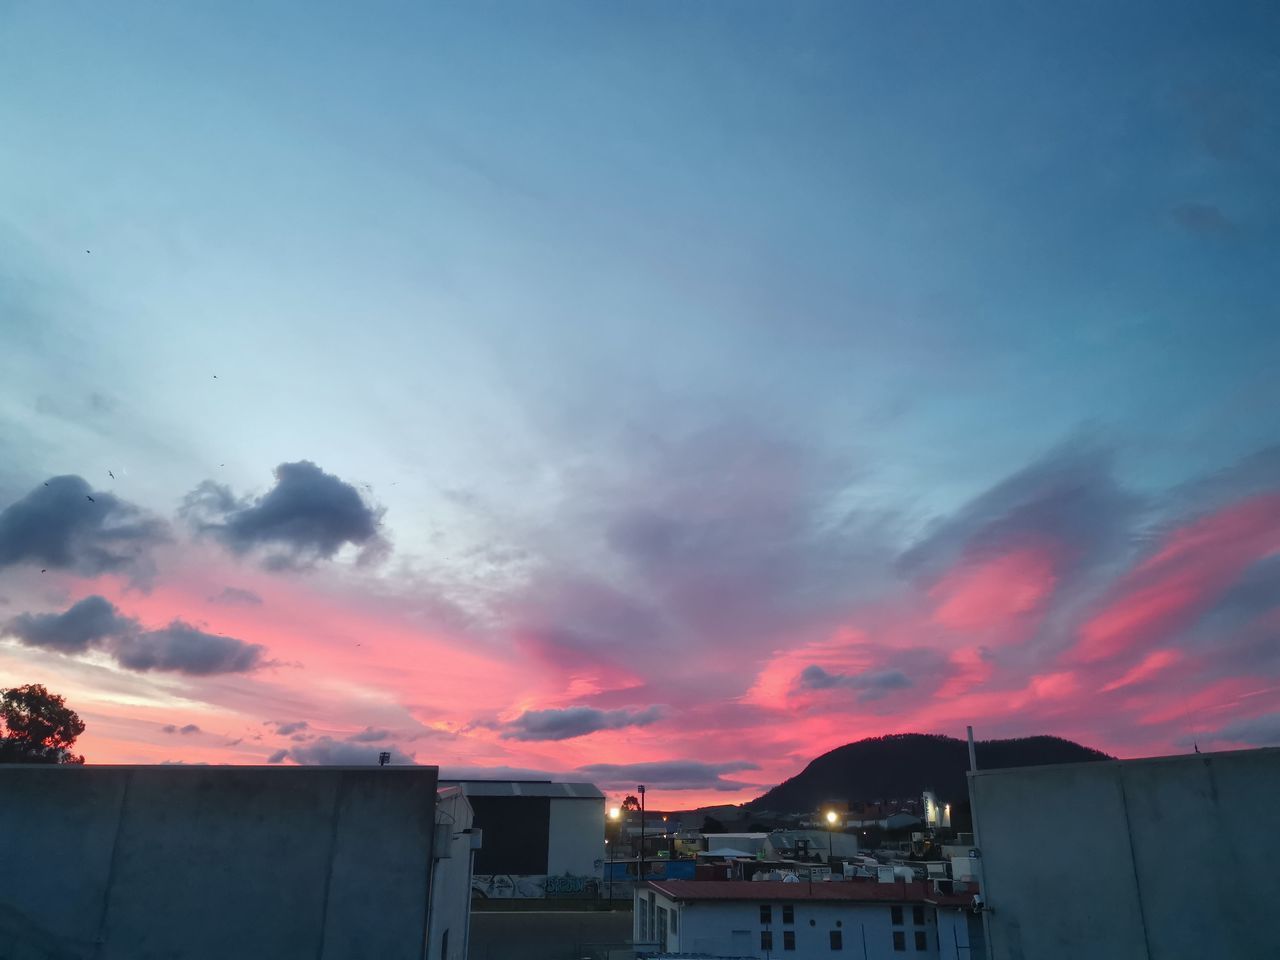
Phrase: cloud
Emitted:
{"points": [[1202, 218], [666, 774], [325, 751], [1261, 731], [85, 624], [56, 525], [190, 728], [181, 648], [284, 729], [570, 722], [369, 735], [236, 597], [873, 685], [309, 515], [94, 623]]}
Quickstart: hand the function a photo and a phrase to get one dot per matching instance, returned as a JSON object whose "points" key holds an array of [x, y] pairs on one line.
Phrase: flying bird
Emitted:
{"points": [[90, 499], [111, 475], [46, 484], [42, 570]]}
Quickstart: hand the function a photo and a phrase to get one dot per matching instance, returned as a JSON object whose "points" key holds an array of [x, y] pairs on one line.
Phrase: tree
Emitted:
{"points": [[37, 726], [629, 802], [712, 825]]}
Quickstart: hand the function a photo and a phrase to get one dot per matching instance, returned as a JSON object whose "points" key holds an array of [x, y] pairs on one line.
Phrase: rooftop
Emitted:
{"points": [[840, 891], [527, 788]]}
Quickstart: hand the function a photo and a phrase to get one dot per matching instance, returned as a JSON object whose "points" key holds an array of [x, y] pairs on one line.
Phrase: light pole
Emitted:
{"points": [[614, 814], [831, 822], [640, 874]]}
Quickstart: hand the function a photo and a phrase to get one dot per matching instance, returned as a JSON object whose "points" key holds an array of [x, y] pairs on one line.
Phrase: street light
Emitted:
{"points": [[609, 875], [640, 874], [831, 822]]}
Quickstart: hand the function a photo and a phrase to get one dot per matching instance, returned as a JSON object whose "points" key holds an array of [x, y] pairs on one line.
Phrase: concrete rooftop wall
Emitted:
{"points": [[1162, 859], [188, 863]]}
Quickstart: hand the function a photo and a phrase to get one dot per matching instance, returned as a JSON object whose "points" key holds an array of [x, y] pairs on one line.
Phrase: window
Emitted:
{"points": [[896, 912], [788, 939], [917, 916], [788, 914], [899, 941], [837, 940], [766, 939], [766, 913], [922, 940], [675, 927]]}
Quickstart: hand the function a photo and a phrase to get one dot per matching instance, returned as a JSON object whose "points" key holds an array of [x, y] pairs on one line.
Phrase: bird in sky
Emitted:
{"points": [[111, 475], [42, 569], [90, 499]]}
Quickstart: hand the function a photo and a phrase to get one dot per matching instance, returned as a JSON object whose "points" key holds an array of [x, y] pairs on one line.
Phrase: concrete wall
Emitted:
{"points": [[1162, 859], [451, 896], [186, 863], [576, 837]]}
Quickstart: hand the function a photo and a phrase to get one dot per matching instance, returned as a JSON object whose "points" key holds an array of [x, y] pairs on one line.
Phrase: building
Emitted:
{"points": [[206, 863], [799, 920], [541, 839], [1160, 859], [820, 845]]}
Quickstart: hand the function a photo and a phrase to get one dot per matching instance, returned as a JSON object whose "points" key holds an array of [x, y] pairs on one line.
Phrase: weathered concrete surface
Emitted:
{"points": [[1163, 859], [187, 863], [545, 935]]}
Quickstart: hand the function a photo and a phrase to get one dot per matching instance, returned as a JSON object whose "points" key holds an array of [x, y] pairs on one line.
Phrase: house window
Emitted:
{"points": [[766, 939], [896, 913], [922, 940], [837, 940], [899, 941], [788, 914], [675, 927], [766, 913], [917, 916], [788, 939]]}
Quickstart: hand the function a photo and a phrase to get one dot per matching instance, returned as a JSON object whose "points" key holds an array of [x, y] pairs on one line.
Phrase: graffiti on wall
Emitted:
{"points": [[512, 886]]}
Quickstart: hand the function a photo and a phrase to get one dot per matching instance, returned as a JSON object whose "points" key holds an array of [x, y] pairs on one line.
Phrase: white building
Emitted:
{"points": [[800, 920]]}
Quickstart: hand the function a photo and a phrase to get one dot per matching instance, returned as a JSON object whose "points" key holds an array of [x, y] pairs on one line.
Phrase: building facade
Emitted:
{"points": [[800, 921]]}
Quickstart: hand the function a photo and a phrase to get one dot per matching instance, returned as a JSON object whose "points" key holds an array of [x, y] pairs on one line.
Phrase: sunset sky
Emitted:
{"points": [[646, 392]]}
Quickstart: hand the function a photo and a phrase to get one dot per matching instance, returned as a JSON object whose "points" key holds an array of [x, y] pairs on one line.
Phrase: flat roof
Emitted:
{"points": [[1201, 758], [527, 788], [837, 891]]}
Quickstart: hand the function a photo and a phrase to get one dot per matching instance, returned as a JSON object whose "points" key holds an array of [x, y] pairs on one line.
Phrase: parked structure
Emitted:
{"points": [[541, 839], [207, 863], [1160, 859], [799, 920]]}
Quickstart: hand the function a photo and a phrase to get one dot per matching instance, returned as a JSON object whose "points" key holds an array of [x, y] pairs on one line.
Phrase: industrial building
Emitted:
{"points": [[208, 863], [1172, 858], [541, 839]]}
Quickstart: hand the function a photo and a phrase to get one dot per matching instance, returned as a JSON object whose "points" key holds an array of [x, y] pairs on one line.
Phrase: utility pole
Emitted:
{"points": [[640, 875]]}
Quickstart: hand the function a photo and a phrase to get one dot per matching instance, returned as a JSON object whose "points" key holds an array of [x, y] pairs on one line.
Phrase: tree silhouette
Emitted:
{"points": [[37, 726], [629, 802]]}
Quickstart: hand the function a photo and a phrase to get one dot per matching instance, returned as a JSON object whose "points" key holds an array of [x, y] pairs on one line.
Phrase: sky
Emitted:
{"points": [[639, 393]]}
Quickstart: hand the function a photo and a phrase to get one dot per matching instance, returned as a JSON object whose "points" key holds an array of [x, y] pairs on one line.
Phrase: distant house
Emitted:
{"points": [[810, 845], [800, 920]]}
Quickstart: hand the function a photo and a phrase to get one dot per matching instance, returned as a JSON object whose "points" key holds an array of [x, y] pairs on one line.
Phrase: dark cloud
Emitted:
{"points": [[95, 623], [325, 751], [666, 774], [872, 685], [369, 735], [573, 722], [56, 525], [187, 730], [1202, 218], [284, 729], [1263, 731], [236, 597], [181, 648], [309, 515], [85, 624]]}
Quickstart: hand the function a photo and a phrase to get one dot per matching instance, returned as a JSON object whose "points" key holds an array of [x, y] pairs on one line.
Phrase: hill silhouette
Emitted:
{"points": [[906, 764]]}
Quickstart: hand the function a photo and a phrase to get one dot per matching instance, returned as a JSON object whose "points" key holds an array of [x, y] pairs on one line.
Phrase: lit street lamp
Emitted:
{"points": [[831, 822]]}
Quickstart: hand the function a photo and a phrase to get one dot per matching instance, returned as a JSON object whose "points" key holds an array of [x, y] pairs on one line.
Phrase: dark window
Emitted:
{"points": [[788, 939], [788, 914], [674, 925], [766, 939], [896, 912], [922, 940], [917, 916], [837, 940], [899, 941], [516, 834], [766, 913]]}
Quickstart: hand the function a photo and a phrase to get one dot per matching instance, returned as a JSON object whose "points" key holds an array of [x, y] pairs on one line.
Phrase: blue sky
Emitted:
{"points": [[530, 272]]}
